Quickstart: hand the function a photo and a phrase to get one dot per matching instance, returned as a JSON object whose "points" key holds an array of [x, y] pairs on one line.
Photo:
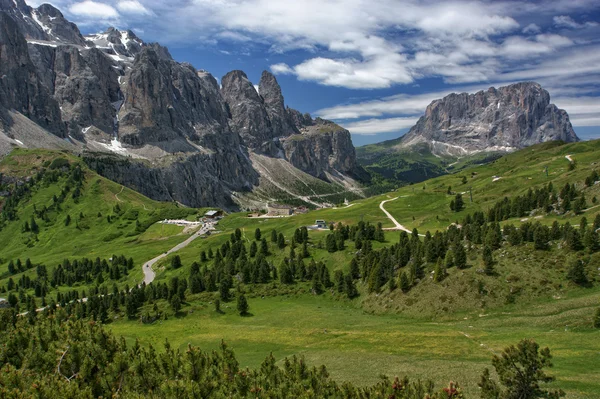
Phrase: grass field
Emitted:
{"points": [[358, 346]]}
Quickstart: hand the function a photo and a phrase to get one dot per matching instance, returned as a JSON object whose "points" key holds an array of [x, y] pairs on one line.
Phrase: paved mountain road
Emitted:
{"points": [[149, 273]]}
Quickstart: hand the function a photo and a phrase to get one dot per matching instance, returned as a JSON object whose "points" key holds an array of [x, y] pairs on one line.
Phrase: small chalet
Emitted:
{"points": [[279, 210], [213, 214]]}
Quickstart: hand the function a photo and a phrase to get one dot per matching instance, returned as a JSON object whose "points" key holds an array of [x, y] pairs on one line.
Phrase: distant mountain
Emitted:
{"points": [[503, 119], [463, 129], [159, 126]]}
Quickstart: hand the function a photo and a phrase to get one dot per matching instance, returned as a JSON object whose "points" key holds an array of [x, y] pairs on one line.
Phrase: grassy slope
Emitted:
{"points": [[358, 346], [427, 338], [391, 165], [424, 339], [428, 202], [56, 241]]}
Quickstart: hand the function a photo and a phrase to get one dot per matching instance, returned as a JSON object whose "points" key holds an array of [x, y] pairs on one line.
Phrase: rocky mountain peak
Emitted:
{"points": [[503, 119], [270, 91], [45, 23]]}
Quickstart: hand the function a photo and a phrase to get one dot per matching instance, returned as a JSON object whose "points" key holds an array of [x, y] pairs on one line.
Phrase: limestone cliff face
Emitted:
{"points": [[316, 147], [21, 87], [84, 84], [321, 148], [159, 126], [507, 118], [165, 100]]}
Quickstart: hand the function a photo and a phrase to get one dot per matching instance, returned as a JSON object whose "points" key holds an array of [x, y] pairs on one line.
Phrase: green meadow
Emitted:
{"points": [[441, 331]]}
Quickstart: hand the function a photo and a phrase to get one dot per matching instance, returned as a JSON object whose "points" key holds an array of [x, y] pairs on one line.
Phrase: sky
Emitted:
{"points": [[374, 65]]}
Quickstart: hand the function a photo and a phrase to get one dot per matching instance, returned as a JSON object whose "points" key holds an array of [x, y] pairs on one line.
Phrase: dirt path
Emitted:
{"points": [[149, 273], [117, 194], [396, 223]]}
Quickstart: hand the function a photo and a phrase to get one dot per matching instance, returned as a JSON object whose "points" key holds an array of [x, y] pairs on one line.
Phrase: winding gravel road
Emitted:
{"points": [[389, 215], [149, 273]]}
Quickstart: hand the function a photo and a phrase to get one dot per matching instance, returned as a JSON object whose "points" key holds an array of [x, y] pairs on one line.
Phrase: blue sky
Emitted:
{"points": [[374, 65]]}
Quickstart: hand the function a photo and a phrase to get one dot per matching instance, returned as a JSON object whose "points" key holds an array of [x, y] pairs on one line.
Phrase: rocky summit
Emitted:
{"points": [[502, 119], [161, 127]]}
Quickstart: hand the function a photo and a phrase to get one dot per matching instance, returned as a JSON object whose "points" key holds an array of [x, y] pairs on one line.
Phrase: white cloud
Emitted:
{"points": [[565, 21], [532, 28], [93, 9], [375, 126], [132, 7], [281, 68]]}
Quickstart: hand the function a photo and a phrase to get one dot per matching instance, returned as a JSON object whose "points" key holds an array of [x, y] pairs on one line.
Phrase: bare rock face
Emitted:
{"points": [[45, 23], [248, 114], [270, 91], [120, 98], [84, 84], [321, 148], [21, 88], [507, 118], [165, 100]]}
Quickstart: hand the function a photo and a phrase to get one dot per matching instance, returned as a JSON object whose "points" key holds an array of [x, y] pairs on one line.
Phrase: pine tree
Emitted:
{"points": [[488, 260], [242, 305], [591, 241], [350, 287], [257, 234], [273, 236], [305, 253], [280, 241], [439, 271], [330, 243], [354, 269], [577, 273], [264, 247], [253, 249], [175, 303], [460, 256], [285, 273], [317, 287], [458, 203], [520, 371], [34, 226], [540, 238], [404, 283], [449, 259], [224, 289], [176, 262]]}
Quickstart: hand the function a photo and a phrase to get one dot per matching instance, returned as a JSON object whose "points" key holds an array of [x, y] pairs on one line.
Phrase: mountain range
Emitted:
{"points": [[173, 133]]}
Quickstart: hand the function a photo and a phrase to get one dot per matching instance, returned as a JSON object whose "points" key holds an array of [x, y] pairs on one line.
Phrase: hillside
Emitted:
{"points": [[344, 298], [88, 216]]}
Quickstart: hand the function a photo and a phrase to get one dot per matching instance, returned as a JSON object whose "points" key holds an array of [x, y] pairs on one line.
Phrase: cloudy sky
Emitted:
{"points": [[374, 65]]}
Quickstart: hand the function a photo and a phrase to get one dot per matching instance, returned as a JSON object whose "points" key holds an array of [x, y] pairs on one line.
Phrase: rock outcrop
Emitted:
{"points": [[321, 148], [159, 126], [21, 87], [503, 119]]}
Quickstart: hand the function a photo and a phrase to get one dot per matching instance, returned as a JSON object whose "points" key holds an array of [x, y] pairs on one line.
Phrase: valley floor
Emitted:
{"points": [[359, 347]]}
